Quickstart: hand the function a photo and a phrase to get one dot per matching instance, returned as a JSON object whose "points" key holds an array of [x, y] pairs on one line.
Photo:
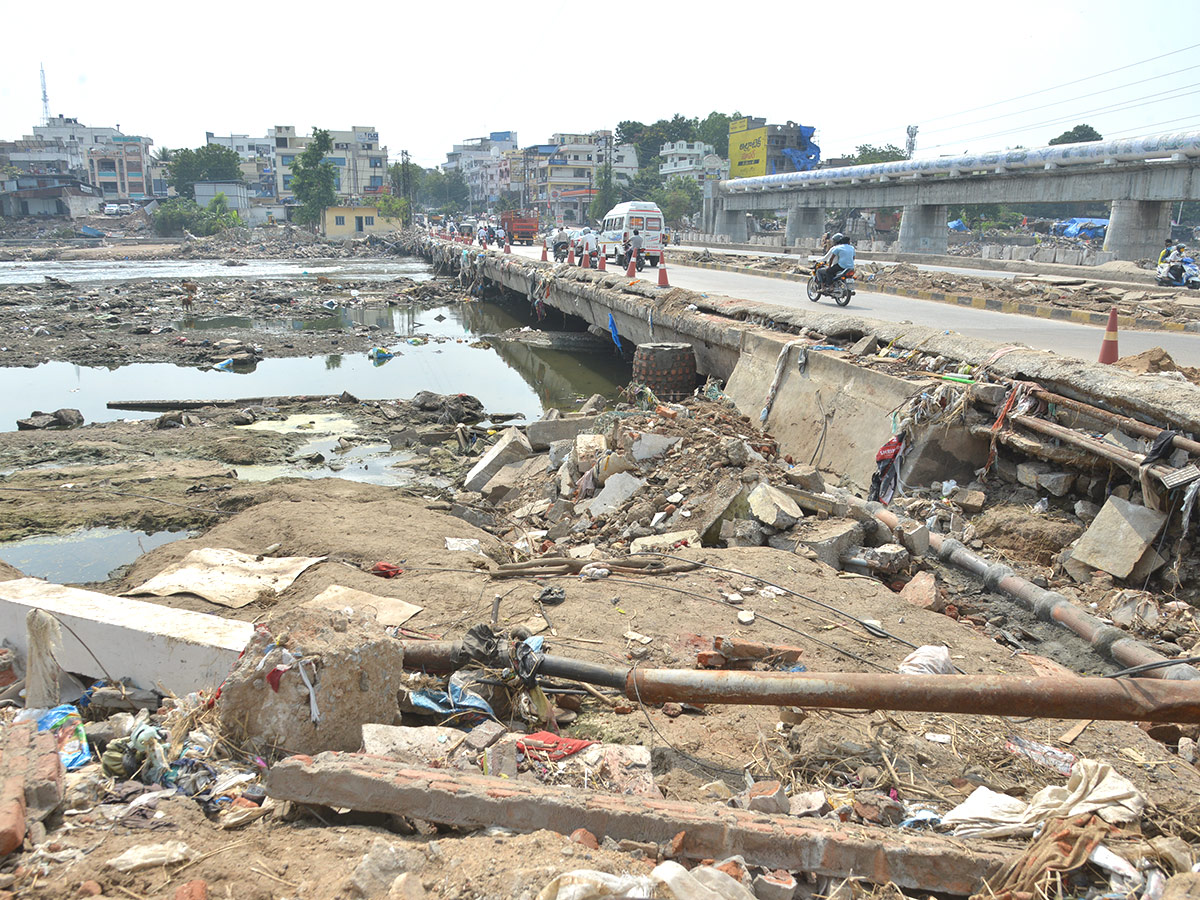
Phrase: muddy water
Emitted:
{"points": [[82, 556], [94, 272], [507, 378]]}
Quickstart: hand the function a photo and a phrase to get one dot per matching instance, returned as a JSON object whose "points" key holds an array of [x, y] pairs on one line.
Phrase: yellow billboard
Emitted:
{"points": [[748, 153], [736, 125]]}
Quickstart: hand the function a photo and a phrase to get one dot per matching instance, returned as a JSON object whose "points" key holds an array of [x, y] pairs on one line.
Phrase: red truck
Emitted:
{"points": [[520, 225]]}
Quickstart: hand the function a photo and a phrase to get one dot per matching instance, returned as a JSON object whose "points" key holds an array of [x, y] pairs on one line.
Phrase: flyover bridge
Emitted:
{"points": [[1141, 177]]}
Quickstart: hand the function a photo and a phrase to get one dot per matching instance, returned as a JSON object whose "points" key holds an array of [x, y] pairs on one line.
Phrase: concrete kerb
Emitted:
{"points": [[378, 784], [1010, 307]]}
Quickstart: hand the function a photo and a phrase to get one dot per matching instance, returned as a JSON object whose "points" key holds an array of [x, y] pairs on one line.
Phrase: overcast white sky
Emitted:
{"points": [[427, 75]]}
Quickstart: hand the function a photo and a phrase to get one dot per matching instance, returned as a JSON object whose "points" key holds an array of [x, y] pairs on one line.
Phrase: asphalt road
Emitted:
{"points": [[1068, 338]]}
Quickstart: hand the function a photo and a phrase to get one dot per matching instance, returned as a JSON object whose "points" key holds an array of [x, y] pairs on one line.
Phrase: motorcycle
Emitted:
{"points": [[841, 289], [560, 251], [1190, 279], [623, 259]]}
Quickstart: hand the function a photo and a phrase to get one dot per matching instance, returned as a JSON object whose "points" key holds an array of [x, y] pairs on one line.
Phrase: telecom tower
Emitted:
{"points": [[910, 145], [45, 98]]}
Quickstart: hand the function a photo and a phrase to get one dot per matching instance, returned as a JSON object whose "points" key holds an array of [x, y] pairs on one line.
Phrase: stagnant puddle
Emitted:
{"points": [[94, 271], [82, 556], [507, 377]]}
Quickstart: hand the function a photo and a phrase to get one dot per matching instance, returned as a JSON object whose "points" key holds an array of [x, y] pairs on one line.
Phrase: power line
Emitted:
{"points": [[1123, 106], [1069, 100], [1038, 92], [1156, 125]]}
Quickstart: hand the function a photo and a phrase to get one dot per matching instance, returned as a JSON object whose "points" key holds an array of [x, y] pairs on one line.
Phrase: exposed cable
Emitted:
{"points": [[1160, 664]]}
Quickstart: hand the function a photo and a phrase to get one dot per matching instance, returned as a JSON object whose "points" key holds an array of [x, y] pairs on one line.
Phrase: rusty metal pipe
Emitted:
{"points": [[1130, 426], [1118, 699], [1118, 455]]}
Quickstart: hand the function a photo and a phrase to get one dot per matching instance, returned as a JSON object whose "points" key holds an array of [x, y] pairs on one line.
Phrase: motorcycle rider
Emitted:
{"points": [[839, 259], [560, 239], [1166, 251], [634, 247], [587, 241], [1175, 263]]}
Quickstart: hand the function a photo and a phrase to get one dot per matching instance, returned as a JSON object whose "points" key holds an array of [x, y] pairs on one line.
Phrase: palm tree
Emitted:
{"points": [[164, 154]]}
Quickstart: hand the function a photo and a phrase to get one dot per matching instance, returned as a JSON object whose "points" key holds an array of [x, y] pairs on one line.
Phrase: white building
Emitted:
{"points": [[359, 160], [71, 141], [243, 145], [691, 159], [237, 194]]}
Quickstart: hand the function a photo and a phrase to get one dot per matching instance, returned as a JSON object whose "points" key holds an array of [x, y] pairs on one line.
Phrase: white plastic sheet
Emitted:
{"points": [[668, 881], [227, 577], [1094, 787]]}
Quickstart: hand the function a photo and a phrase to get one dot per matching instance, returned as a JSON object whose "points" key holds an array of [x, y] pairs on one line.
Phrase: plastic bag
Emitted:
{"points": [[927, 660], [68, 731], [152, 856], [668, 880]]}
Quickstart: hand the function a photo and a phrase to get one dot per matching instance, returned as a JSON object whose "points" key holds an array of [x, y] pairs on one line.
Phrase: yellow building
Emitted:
{"points": [[352, 221]]}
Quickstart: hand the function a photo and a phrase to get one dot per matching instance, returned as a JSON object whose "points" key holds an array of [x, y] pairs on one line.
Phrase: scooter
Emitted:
{"points": [[560, 251], [623, 259], [1191, 274], [841, 289]]}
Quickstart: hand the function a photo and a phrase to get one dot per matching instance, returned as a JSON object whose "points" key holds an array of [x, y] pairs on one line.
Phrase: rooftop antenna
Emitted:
{"points": [[45, 98], [910, 145]]}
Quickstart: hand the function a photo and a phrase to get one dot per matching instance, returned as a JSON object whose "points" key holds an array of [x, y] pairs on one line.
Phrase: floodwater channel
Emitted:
{"points": [[433, 351], [87, 555], [88, 271]]}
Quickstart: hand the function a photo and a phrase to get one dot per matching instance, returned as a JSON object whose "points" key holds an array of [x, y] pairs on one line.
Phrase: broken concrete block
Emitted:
{"points": [[886, 557], [1028, 472], [737, 452], [560, 452], [1086, 510], [587, 447], [544, 432], [914, 537], [808, 803], [1150, 563], [765, 796], [1119, 537], [1056, 483], [783, 540], [866, 345], [830, 539], [773, 507], [485, 734], [593, 405], [743, 533], [380, 866], [777, 885], [319, 701], [616, 491], [420, 745], [511, 475], [511, 447], [923, 591], [970, 501], [664, 543], [1080, 573], [989, 394], [652, 446], [806, 477], [500, 759]]}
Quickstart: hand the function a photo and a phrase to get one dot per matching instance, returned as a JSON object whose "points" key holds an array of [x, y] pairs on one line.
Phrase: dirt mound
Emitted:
{"points": [[1026, 536], [1156, 360]]}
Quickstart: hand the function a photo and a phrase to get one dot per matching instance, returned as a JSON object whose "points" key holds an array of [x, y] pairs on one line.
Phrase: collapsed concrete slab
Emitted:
{"points": [[153, 646], [544, 432], [1118, 537], [512, 447], [882, 855]]}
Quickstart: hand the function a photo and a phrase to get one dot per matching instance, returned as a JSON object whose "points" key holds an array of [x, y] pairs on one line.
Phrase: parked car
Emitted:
{"points": [[112, 209], [125, 208]]}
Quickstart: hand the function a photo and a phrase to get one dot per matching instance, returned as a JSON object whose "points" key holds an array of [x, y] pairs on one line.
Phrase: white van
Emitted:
{"points": [[619, 225]]}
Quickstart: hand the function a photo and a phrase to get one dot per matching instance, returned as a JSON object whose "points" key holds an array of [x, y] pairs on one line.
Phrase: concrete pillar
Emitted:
{"points": [[732, 222], [923, 230], [1137, 228], [804, 224]]}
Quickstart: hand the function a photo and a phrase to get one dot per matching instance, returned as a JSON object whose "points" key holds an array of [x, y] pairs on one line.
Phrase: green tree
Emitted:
{"points": [[208, 163], [163, 154], [681, 197], [606, 196], [714, 129], [179, 214], [1080, 134], [392, 207], [313, 178], [504, 204], [869, 153]]}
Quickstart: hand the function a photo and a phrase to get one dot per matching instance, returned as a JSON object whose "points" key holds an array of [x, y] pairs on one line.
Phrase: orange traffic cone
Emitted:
{"points": [[1108, 347], [602, 267], [662, 270], [631, 272], [507, 246], [543, 251], [585, 260], [571, 256]]}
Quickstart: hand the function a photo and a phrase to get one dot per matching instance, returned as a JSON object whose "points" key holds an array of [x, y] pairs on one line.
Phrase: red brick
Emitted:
{"points": [[12, 814], [586, 838], [193, 890], [89, 889]]}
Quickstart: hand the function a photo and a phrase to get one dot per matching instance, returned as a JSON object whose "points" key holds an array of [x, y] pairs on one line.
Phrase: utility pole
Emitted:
{"points": [[45, 98]]}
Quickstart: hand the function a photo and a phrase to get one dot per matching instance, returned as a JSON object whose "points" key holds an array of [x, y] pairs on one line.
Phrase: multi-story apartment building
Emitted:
{"points": [[359, 160], [495, 144], [120, 167], [690, 159], [246, 147], [563, 181]]}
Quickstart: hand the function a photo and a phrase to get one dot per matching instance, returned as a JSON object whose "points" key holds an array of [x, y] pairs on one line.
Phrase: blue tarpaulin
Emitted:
{"points": [[957, 225], [1083, 228]]}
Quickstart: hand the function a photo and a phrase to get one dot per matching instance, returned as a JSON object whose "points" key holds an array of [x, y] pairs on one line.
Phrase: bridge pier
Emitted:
{"points": [[732, 222], [1137, 228], [923, 229], [803, 224]]}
